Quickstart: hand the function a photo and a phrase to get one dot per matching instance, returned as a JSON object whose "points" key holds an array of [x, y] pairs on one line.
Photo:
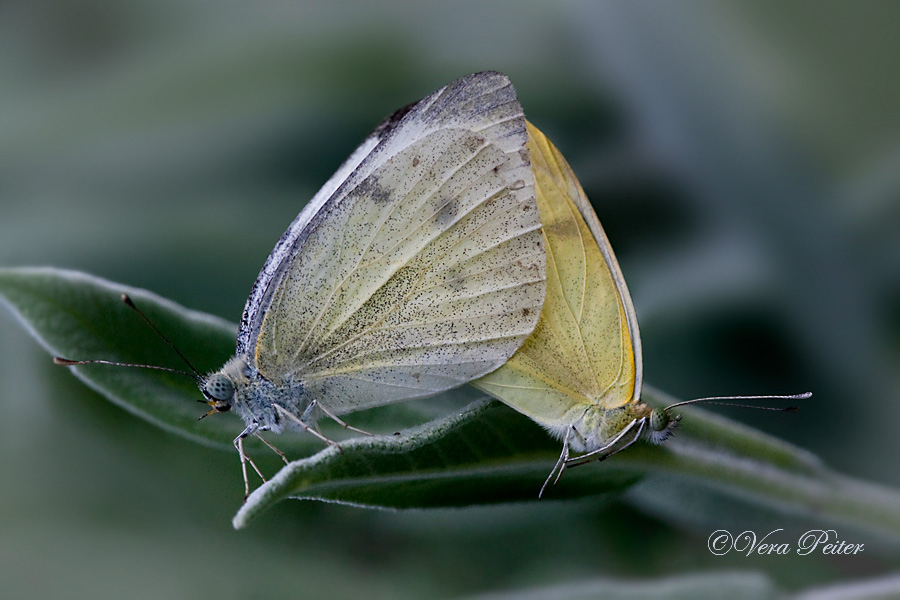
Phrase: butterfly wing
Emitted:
{"points": [[585, 349], [418, 267]]}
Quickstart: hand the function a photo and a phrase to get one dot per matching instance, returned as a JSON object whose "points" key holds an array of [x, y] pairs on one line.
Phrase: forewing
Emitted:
{"points": [[424, 270], [581, 352]]}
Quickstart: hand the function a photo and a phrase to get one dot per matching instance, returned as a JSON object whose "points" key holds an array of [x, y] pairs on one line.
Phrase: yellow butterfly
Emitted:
{"points": [[579, 374]]}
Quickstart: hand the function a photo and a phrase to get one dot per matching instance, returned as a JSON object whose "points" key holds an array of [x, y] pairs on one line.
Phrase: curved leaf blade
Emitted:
{"points": [[79, 316], [485, 454]]}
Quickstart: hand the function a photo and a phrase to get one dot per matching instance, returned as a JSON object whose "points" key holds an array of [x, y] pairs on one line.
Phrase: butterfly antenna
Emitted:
{"points": [[127, 300], [65, 362], [726, 401], [772, 408]]}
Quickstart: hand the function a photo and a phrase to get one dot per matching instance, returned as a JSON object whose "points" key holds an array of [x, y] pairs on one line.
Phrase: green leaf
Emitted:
{"points": [[482, 453], [78, 316], [487, 453]]}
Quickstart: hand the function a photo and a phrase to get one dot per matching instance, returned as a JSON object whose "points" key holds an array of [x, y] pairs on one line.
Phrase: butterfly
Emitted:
{"points": [[417, 267], [579, 374]]}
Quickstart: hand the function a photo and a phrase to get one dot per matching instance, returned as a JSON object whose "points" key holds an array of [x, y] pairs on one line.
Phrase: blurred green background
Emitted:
{"points": [[743, 158]]}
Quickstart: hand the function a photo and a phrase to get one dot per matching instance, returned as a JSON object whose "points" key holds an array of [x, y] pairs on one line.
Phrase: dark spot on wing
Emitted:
{"points": [[371, 189], [390, 123], [473, 144], [447, 213], [455, 279]]}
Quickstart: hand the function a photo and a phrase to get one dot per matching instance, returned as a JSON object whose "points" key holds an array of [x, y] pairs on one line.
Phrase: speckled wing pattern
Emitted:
{"points": [[420, 264], [585, 349]]}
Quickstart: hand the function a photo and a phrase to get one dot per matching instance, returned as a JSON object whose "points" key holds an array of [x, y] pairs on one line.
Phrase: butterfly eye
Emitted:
{"points": [[659, 419], [219, 387]]}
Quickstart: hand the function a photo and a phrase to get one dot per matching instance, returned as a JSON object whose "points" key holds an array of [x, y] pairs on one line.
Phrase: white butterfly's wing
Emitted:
{"points": [[423, 267]]}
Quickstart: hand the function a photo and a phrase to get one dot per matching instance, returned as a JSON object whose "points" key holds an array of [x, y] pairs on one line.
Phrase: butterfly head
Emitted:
{"points": [[218, 389], [221, 390], [661, 425]]}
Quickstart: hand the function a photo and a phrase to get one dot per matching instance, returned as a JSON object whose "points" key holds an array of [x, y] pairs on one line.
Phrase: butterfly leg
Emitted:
{"points": [[305, 427], [641, 427], [273, 448], [336, 419], [609, 449], [239, 444], [307, 415], [560, 464]]}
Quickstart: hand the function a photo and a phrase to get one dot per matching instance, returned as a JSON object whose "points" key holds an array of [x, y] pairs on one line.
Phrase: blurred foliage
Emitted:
{"points": [[742, 157]]}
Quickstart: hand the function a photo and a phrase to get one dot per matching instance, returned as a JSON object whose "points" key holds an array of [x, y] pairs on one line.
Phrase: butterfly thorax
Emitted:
{"points": [[598, 425], [255, 397]]}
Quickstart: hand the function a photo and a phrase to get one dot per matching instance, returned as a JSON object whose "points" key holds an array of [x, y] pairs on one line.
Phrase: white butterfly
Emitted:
{"points": [[418, 267]]}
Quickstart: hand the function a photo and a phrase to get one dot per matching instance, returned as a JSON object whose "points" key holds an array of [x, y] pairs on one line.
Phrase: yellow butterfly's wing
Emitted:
{"points": [[422, 270], [585, 350]]}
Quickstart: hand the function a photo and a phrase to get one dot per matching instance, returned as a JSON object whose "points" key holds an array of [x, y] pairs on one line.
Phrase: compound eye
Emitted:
{"points": [[219, 387], [659, 419]]}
